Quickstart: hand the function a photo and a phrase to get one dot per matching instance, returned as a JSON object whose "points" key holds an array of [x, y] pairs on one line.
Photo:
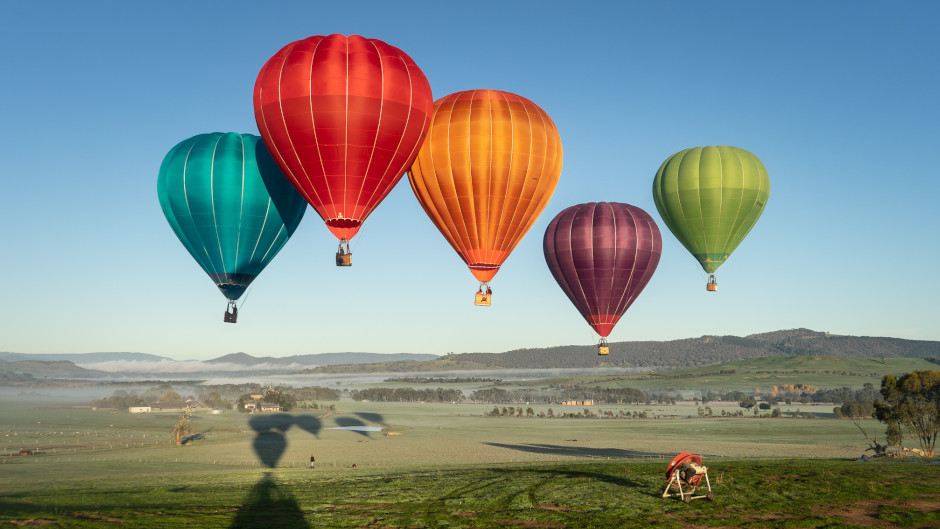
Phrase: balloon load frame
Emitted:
{"points": [[684, 474]]}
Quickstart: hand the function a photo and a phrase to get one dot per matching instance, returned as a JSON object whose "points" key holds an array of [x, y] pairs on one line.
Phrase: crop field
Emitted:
{"points": [[437, 465]]}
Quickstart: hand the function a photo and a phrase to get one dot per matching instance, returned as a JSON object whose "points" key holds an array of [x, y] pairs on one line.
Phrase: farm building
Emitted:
{"points": [[578, 403], [257, 406], [177, 406], [139, 409]]}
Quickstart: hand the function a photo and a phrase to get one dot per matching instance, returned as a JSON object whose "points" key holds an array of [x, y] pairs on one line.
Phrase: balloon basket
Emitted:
{"points": [[231, 313], [343, 255], [712, 285], [602, 348], [484, 296]]}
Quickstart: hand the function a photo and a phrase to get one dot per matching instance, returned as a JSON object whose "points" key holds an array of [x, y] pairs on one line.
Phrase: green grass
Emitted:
{"points": [[748, 493], [452, 466]]}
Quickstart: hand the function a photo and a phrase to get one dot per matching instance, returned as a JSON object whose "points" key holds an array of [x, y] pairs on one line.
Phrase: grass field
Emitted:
{"points": [[748, 493], [451, 466]]}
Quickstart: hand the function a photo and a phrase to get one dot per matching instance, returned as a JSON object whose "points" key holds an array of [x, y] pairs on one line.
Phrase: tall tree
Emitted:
{"points": [[181, 428], [911, 404]]}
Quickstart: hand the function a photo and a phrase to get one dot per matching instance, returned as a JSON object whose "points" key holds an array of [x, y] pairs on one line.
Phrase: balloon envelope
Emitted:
{"points": [[344, 118], [710, 198], [229, 204], [487, 169], [602, 254]]}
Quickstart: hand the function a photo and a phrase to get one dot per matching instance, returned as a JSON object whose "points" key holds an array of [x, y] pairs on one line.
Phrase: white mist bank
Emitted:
{"points": [[167, 366]]}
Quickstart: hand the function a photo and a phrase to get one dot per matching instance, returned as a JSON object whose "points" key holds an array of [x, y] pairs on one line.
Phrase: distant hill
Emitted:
{"points": [[53, 369], [80, 358], [688, 352], [706, 350], [323, 359]]}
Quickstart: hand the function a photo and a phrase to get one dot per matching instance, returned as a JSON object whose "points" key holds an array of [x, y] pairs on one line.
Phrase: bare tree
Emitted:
{"points": [[182, 429], [879, 450]]}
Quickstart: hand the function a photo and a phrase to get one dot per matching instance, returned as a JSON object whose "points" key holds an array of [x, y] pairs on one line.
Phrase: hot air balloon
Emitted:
{"points": [[230, 206], [602, 254], [488, 167], [344, 118], [710, 198]]}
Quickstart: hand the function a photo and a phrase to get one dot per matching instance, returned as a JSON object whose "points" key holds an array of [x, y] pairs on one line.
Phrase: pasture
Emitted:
{"points": [[455, 465], [429, 435], [449, 465]]}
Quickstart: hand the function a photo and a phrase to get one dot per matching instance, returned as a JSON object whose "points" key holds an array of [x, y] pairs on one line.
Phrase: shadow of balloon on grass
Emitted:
{"points": [[270, 440], [581, 451], [267, 506]]}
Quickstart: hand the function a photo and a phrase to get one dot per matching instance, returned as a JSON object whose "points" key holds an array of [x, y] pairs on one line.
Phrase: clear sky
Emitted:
{"points": [[839, 100]]}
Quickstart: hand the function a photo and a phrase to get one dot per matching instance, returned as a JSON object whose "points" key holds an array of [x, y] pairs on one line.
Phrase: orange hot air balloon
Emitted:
{"points": [[487, 168]]}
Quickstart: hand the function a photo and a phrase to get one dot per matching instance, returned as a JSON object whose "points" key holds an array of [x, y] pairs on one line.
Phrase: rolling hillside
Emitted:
{"points": [[689, 352]]}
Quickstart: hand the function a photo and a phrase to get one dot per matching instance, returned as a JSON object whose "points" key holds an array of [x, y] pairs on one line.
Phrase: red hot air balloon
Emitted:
{"points": [[344, 118], [602, 254]]}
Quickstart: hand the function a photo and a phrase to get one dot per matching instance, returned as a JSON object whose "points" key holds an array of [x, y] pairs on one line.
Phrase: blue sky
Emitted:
{"points": [[838, 99]]}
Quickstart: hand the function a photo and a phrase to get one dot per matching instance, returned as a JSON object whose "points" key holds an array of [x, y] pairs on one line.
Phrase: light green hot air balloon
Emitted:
{"points": [[710, 198]]}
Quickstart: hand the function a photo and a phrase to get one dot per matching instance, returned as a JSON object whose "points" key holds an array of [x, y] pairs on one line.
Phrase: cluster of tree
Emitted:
{"points": [[214, 400], [868, 393], [585, 414], [122, 400], [10, 378], [442, 380], [510, 412], [119, 402], [161, 393], [279, 395], [496, 395], [315, 393], [599, 395], [406, 395], [911, 406], [854, 410]]}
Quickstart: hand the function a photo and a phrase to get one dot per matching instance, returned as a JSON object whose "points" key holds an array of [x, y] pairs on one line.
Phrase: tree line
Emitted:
{"points": [[406, 395]]}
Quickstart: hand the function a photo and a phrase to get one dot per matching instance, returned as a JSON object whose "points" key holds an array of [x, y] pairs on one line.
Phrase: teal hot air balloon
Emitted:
{"points": [[230, 205]]}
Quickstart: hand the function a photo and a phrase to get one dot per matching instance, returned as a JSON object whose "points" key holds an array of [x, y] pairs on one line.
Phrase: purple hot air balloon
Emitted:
{"points": [[602, 254]]}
